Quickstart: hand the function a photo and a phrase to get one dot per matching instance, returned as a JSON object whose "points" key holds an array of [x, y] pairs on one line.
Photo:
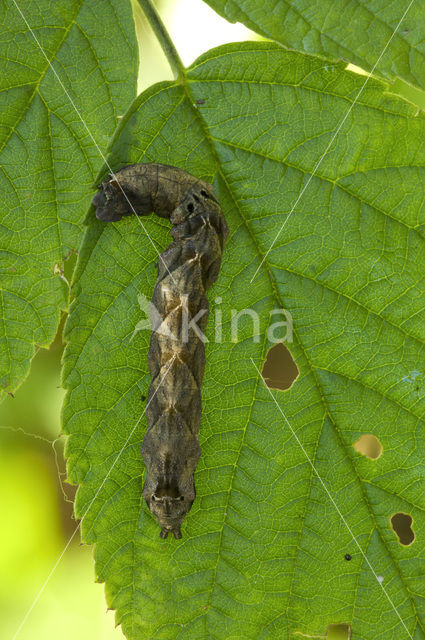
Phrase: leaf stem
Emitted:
{"points": [[163, 36]]}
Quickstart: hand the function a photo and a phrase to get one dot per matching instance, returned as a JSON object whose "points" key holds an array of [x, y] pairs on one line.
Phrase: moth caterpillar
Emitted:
{"points": [[176, 358]]}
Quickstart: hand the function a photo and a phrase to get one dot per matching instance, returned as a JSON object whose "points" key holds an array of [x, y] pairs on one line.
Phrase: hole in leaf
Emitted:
{"points": [[369, 446], [402, 526], [338, 632], [279, 370]]}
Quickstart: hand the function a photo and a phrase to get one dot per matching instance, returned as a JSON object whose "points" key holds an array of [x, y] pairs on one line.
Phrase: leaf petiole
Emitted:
{"points": [[164, 38]]}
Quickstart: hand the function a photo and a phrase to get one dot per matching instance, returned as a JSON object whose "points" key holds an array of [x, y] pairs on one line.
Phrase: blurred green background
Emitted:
{"points": [[34, 497]]}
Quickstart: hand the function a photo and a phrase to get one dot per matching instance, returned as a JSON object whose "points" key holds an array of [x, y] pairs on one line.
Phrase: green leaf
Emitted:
{"points": [[263, 548], [356, 31], [48, 159]]}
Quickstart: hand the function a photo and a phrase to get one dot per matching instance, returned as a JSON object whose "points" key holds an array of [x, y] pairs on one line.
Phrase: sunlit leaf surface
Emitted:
{"points": [[264, 553], [381, 35], [48, 160]]}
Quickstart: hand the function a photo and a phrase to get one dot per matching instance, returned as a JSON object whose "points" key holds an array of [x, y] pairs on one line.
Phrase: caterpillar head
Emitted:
{"points": [[170, 512], [170, 498], [171, 453]]}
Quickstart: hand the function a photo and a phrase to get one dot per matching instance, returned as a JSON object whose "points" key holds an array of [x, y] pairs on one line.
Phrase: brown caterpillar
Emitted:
{"points": [[176, 359]]}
